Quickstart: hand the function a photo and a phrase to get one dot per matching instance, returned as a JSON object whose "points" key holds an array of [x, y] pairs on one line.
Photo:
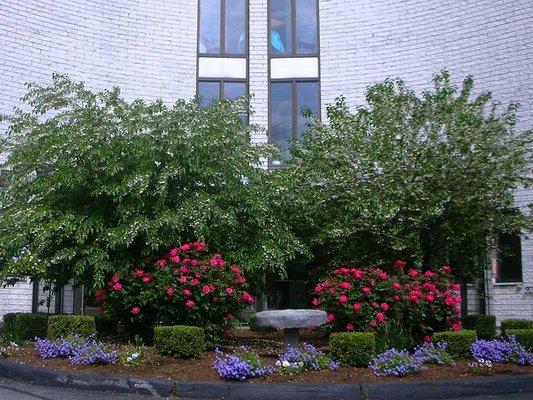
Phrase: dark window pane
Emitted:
{"points": [[235, 27], [306, 27], [209, 27], [281, 118], [306, 98], [510, 265], [280, 26], [209, 92], [232, 90]]}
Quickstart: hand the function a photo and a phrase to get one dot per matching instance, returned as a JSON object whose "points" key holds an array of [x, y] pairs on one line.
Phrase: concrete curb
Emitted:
{"points": [[479, 386]]}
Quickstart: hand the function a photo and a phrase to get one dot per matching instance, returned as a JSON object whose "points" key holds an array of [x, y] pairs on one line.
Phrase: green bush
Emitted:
{"points": [[179, 341], [484, 325], [25, 326], [524, 337], [64, 325], [353, 348], [105, 325], [458, 342], [516, 324]]}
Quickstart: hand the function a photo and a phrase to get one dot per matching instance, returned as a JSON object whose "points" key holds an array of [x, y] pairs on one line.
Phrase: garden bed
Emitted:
{"points": [[202, 370]]}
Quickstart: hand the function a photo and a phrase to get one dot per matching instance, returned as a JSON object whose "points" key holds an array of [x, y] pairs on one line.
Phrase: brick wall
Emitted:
{"points": [[16, 298]]}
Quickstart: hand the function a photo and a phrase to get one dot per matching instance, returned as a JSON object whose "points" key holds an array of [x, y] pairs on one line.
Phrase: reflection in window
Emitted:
{"points": [[222, 27], [293, 27], [210, 91], [510, 259], [287, 124]]}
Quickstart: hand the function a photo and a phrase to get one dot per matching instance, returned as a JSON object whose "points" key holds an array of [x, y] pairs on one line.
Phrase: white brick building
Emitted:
{"points": [[150, 48]]}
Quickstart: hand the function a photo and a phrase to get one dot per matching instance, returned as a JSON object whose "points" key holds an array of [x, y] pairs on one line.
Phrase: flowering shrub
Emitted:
{"points": [[240, 366], [502, 351], [395, 363], [185, 286], [431, 353], [357, 299], [78, 350], [480, 367], [306, 357]]}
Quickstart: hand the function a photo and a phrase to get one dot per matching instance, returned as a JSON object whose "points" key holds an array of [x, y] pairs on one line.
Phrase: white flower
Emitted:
{"points": [[278, 363], [286, 364]]}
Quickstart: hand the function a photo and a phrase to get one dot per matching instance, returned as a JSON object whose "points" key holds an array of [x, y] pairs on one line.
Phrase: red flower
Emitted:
{"points": [[374, 304], [189, 304], [399, 264], [247, 297], [396, 297], [343, 299], [384, 306], [139, 272], [357, 306], [357, 273], [175, 260], [186, 292], [446, 269], [161, 263], [99, 294], [115, 279], [182, 279], [206, 289], [345, 285], [229, 291], [396, 286], [185, 247], [195, 282], [170, 291], [195, 263], [173, 252], [147, 278], [349, 327], [330, 318], [316, 302], [366, 291], [318, 288], [229, 317], [135, 310], [428, 339], [373, 323], [430, 298], [117, 287], [235, 269], [455, 287], [456, 326], [380, 317], [199, 246], [184, 269], [412, 273]]}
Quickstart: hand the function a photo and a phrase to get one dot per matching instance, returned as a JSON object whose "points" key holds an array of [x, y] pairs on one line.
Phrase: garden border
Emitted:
{"points": [[478, 386]]}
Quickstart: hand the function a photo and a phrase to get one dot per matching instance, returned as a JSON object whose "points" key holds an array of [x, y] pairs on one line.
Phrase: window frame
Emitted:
{"points": [[223, 53], [221, 82], [294, 108], [500, 260], [293, 53]]}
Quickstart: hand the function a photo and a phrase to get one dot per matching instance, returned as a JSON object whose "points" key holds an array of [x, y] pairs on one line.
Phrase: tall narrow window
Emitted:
{"points": [[222, 28], [293, 27], [287, 124], [510, 258]]}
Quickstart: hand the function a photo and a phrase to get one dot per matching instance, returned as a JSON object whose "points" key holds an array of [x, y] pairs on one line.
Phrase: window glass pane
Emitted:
{"points": [[209, 92], [306, 27], [235, 27], [280, 26], [209, 27], [281, 118], [306, 97], [510, 265], [232, 90]]}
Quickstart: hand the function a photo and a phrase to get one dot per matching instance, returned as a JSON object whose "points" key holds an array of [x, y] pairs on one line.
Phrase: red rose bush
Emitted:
{"points": [[364, 299], [185, 286]]}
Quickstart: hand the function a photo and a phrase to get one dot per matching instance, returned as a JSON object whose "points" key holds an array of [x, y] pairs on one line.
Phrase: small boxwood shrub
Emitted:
{"points": [[25, 326], [179, 341], [459, 342], [523, 336], [353, 348], [516, 324], [484, 325], [64, 325]]}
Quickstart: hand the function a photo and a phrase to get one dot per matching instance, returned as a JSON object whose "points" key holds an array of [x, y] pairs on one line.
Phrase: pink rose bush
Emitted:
{"points": [[365, 299], [184, 286]]}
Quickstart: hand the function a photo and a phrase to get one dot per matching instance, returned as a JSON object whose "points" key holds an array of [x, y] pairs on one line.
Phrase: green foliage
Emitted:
{"points": [[422, 178], [179, 341], [9, 329], [524, 337], [25, 326], [516, 324], [484, 325], [65, 325], [353, 348], [459, 342], [95, 183], [394, 334], [105, 325]]}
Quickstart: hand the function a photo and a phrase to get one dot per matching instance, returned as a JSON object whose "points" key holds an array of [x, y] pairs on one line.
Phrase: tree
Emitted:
{"points": [[93, 184], [428, 179]]}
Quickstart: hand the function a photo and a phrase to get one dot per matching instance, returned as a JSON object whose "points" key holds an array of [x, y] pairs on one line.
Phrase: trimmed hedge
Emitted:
{"points": [[484, 325], [25, 326], [459, 342], [516, 324], [524, 337], [353, 348], [64, 325], [179, 341]]}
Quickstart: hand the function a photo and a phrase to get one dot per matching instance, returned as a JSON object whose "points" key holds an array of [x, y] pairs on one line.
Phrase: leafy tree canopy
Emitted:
{"points": [[425, 178], [94, 183]]}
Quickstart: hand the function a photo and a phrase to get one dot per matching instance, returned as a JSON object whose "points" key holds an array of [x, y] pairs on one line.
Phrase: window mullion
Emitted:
{"points": [[294, 112], [222, 26], [293, 28]]}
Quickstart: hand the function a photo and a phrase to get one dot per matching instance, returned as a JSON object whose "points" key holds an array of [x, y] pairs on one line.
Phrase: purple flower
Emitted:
{"points": [[395, 363], [502, 351], [77, 349], [240, 367], [306, 357], [431, 353]]}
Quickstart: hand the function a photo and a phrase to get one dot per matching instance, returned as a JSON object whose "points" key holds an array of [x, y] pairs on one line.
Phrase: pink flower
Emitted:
{"points": [[374, 304], [185, 247], [115, 279], [366, 291], [429, 274], [455, 287], [373, 323], [349, 327], [186, 292], [456, 326], [428, 339], [446, 269], [332, 291], [147, 278], [396, 286], [184, 269], [330, 318], [189, 304], [182, 279], [99, 294], [206, 289], [412, 273], [315, 302], [241, 280], [343, 299], [384, 306], [399, 264], [229, 291], [117, 287], [235, 269], [195, 263], [357, 273], [457, 311], [173, 252], [396, 297], [345, 285], [380, 317], [430, 298], [318, 288], [357, 306], [139, 272], [199, 246], [186, 261], [247, 298], [161, 263], [175, 260], [135, 310], [372, 282], [450, 301], [169, 291], [195, 282]]}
